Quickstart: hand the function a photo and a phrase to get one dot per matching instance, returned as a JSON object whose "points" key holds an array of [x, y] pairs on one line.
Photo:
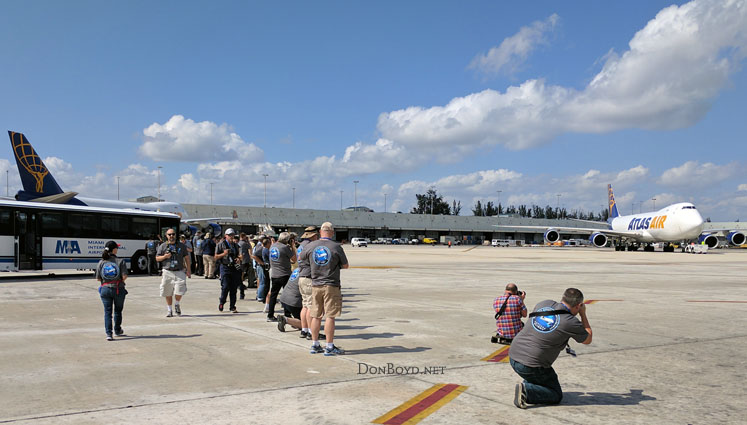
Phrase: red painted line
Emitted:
{"points": [[716, 301], [593, 301], [499, 357], [422, 405]]}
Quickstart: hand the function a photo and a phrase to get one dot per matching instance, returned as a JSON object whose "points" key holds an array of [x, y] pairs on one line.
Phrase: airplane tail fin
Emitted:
{"points": [[36, 179], [613, 206]]}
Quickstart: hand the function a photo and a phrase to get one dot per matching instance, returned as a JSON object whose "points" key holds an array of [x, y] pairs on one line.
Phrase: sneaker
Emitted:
{"points": [[169, 314], [241, 297], [119, 332], [304, 334], [177, 309], [272, 319], [281, 323], [109, 338], [315, 349], [233, 310], [220, 307], [333, 351], [520, 396]]}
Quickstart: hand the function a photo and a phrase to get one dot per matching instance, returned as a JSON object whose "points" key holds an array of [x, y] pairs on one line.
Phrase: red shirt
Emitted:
{"points": [[509, 323]]}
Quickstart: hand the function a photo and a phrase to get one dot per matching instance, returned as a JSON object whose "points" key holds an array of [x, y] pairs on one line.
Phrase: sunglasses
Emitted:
{"points": [[170, 234]]}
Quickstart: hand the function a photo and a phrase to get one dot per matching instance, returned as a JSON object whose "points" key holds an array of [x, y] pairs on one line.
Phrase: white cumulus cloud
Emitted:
{"points": [[182, 139], [674, 68], [513, 51], [693, 173]]}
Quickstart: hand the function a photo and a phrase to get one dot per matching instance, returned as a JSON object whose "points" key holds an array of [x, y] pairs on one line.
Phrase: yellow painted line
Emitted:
{"points": [[498, 356], [421, 406], [470, 249]]}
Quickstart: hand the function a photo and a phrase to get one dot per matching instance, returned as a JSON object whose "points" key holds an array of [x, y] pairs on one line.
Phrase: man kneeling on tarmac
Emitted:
{"points": [[509, 309], [536, 347]]}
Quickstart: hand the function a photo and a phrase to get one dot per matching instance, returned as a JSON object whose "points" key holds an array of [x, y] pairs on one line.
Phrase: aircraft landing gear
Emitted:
{"points": [[648, 248], [669, 248], [632, 247]]}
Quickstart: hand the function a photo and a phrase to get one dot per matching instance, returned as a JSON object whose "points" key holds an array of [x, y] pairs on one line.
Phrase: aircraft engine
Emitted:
{"points": [[710, 240], [736, 238], [552, 235], [598, 239]]}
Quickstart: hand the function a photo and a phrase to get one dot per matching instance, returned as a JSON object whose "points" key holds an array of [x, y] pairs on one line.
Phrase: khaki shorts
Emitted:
{"points": [[304, 286], [173, 283], [326, 301]]}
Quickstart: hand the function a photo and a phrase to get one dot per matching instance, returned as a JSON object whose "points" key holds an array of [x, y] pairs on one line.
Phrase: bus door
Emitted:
{"points": [[28, 249]]}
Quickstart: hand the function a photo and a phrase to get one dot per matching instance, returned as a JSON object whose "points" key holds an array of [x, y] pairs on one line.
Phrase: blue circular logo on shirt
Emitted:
{"points": [[109, 271], [322, 255], [545, 324], [299, 251], [294, 275], [274, 254]]}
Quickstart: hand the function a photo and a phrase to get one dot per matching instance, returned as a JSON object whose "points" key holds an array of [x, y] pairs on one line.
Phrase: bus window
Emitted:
{"points": [[115, 227], [144, 227], [6, 224], [53, 224], [83, 225]]}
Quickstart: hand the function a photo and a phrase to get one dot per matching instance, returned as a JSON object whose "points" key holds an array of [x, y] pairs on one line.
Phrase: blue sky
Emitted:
{"points": [[471, 99]]}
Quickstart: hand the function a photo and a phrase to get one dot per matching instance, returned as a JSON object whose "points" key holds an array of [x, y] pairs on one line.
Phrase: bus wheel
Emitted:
{"points": [[139, 263]]}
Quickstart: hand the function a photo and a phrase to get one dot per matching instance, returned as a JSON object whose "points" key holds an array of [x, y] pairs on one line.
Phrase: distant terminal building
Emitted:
{"points": [[358, 223], [148, 198]]}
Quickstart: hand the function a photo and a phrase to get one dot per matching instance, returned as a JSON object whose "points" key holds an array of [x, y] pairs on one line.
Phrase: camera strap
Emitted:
{"points": [[503, 308]]}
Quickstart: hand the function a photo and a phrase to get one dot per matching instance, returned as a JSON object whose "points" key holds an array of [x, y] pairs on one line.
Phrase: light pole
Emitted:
{"points": [[558, 207], [341, 199], [294, 197], [117, 188], [265, 176], [7, 183], [654, 199], [211, 193], [355, 197], [159, 182], [433, 195], [385, 202]]}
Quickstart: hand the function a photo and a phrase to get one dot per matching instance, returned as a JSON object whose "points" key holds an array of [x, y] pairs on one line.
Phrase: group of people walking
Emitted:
{"points": [[304, 277]]}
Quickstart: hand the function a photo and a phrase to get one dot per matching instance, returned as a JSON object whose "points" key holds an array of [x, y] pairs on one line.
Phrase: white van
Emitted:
{"points": [[500, 242]]}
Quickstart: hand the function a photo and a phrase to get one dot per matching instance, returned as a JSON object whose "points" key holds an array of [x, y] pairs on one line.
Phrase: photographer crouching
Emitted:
{"points": [[228, 255], [509, 309], [536, 347]]}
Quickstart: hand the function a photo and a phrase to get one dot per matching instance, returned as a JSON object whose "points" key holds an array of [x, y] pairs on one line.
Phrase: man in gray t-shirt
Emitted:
{"points": [[538, 344], [282, 254], [325, 258]]}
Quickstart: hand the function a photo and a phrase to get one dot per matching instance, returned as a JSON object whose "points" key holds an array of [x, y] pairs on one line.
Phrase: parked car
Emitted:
{"points": [[414, 241], [429, 241], [358, 242]]}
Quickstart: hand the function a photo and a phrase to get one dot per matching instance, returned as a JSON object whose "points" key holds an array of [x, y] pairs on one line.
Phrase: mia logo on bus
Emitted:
{"points": [[67, 247]]}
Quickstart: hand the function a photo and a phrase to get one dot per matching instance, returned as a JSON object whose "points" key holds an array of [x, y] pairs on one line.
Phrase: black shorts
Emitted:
{"points": [[290, 311]]}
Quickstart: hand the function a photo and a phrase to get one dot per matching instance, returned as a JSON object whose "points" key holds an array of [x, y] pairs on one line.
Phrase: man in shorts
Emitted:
{"points": [[326, 258], [304, 281], [174, 259]]}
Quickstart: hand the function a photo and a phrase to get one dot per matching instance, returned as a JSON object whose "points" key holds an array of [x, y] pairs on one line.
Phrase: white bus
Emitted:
{"points": [[40, 236]]}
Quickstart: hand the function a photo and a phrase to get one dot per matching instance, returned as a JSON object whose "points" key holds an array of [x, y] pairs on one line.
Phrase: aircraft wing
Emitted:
{"points": [[59, 198], [579, 230], [206, 220]]}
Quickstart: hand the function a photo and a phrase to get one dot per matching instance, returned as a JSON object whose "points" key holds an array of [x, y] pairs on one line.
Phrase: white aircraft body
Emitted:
{"points": [[679, 222]]}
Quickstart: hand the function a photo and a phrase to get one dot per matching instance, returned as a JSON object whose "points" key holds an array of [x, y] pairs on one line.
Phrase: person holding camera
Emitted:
{"points": [[111, 272], [228, 255], [174, 259], [509, 309], [282, 254], [536, 347]]}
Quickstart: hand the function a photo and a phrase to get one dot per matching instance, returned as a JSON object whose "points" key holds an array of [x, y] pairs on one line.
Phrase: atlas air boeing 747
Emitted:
{"points": [[680, 223]]}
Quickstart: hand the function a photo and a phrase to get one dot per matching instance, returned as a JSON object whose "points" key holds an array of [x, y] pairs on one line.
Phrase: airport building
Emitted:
{"points": [[374, 225]]}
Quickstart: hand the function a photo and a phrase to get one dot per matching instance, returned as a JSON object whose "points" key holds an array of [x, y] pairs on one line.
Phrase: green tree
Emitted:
{"points": [[431, 202], [456, 207]]}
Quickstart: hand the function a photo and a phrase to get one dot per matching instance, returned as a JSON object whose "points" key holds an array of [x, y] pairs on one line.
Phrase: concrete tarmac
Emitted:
{"points": [[669, 349]]}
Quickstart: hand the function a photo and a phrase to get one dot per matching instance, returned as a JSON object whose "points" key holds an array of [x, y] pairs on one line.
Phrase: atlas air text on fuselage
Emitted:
{"points": [[645, 223]]}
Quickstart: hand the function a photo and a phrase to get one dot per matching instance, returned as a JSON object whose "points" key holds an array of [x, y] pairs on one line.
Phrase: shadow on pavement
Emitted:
{"points": [[604, 399], [164, 336], [369, 336], [352, 327], [227, 314], [386, 349]]}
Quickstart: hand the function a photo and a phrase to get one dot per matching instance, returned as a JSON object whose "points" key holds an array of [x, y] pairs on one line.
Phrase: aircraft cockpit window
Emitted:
{"points": [[688, 208]]}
